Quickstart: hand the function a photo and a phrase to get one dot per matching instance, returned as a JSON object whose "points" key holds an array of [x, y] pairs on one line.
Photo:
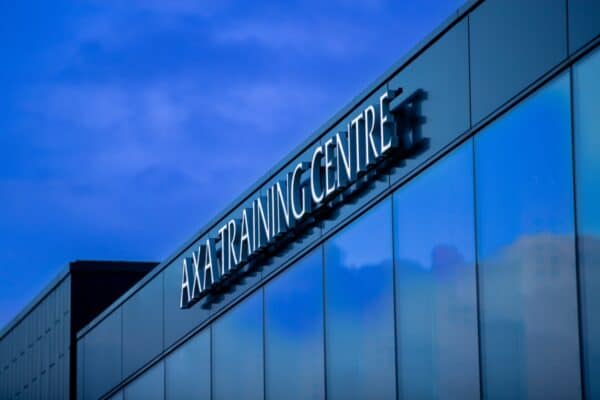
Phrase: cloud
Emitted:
{"points": [[165, 9], [325, 37]]}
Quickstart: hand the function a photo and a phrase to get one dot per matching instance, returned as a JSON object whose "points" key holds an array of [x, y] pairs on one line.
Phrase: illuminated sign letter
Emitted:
{"points": [[197, 268], [245, 230], [232, 242], [262, 231], [224, 249], [356, 124], [185, 286], [316, 176], [329, 170], [371, 153], [344, 159], [283, 205], [211, 270], [388, 139], [301, 195]]}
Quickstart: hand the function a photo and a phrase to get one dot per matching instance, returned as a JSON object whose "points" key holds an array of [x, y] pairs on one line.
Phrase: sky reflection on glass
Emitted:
{"points": [[525, 224], [435, 280], [586, 89], [294, 332], [359, 309], [238, 351]]}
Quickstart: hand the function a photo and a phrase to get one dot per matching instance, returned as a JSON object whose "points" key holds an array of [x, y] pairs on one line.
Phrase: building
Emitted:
{"points": [[436, 238], [38, 352]]}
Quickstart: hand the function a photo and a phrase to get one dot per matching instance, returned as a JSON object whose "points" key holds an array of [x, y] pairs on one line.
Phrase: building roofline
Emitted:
{"points": [[64, 272]]}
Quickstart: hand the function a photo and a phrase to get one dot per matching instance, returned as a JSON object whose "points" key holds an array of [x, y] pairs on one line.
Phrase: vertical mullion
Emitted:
{"points": [[578, 273], [324, 306], [394, 296], [264, 342], [477, 267]]}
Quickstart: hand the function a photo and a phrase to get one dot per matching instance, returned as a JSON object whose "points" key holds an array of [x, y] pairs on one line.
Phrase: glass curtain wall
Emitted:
{"points": [[436, 299], [526, 250], [388, 307], [294, 353], [586, 106], [359, 309]]}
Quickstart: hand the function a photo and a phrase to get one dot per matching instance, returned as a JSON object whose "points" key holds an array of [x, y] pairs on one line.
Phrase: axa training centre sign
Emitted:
{"points": [[334, 165]]}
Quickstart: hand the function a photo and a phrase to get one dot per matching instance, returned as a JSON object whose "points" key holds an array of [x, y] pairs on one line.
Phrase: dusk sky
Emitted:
{"points": [[125, 126]]}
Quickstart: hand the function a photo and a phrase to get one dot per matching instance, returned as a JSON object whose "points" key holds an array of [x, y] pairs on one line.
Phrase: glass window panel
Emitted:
{"points": [[360, 356], [118, 396], [238, 351], [526, 250], [512, 43], [149, 386], [143, 330], [187, 369], [436, 283], [294, 332], [102, 358], [587, 157], [177, 321]]}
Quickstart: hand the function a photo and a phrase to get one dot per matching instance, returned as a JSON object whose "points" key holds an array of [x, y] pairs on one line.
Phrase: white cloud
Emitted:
{"points": [[327, 37]]}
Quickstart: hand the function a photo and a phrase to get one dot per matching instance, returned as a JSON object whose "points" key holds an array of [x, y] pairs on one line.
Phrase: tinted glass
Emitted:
{"points": [[102, 358], [359, 312], [513, 42], [187, 369], [149, 386], [436, 283], [238, 351], [584, 22], [526, 250], [587, 156], [179, 321], [143, 326], [363, 190], [440, 112], [294, 332], [118, 396]]}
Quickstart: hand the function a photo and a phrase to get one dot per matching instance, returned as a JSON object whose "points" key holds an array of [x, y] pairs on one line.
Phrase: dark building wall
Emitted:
{"points": [[35, 352], [37, 349], [96, 285]]}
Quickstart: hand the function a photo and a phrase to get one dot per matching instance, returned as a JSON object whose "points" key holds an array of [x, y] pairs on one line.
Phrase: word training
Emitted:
{"points": [[334, 165]]}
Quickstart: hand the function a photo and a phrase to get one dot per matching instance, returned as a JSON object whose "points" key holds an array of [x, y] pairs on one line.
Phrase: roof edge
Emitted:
{"points": [[64, 272]]}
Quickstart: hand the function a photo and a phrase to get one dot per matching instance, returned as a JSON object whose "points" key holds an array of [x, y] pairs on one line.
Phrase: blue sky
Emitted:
{"points": [[127, 125]]}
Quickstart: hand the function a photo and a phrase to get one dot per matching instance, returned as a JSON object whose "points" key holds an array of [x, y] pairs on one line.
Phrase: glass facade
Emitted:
{"points": [[237, 346], [294, 354], [184, 382], [149, 386], [359, 309], [476, 277], [436, 298], [586, 99], [526, 250]]}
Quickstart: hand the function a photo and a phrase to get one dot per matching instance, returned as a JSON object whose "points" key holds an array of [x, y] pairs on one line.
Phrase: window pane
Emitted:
{"points": [[435, 275], [118, 396], [142, 330], [102, 361], [587, 156], [187, 370], [149, 386], [294, 332], [238, 352], [360, 309], [526, 250]]}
